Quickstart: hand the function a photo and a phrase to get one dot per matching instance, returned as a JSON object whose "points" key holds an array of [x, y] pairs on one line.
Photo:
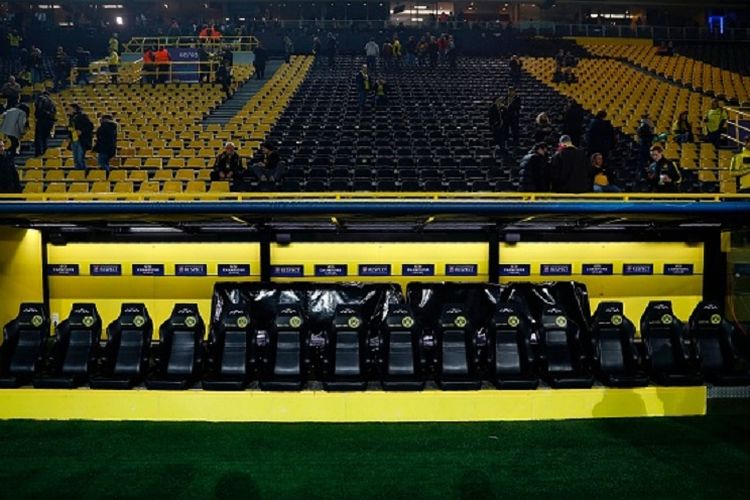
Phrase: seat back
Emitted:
{"points": [[400, 342], [612, 337], [713, 336], [287, 347], [662, 334], [454, 337], [510, 341], [231, 341], [77, 337], [346, 341], [129, 340], [180, 341], [557, 339], [23, 340]]}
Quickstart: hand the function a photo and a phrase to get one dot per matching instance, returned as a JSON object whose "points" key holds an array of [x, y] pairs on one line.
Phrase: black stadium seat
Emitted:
{"points": [[562, 358], [231, 347], [401, 346], [22, 350], [456, 358], [669, 352], [720, 362], [124, 362], [345, 353], [180, 350], [284, 364], [615, 357], [511, 358], [72, 357]]}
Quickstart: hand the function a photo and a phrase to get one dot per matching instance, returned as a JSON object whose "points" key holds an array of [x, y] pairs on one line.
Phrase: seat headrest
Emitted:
{"points": [[609, 314], [133, 315], [706, 315], [185, 315], [348, 317], [235, 318], [507, 317], [659, 313], [400, 317], [31, 315], [554, 318], [289, 317], [83, 316], [454, 316]]}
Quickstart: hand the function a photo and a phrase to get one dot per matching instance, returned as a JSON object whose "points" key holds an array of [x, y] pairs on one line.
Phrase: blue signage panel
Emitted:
{"points": [[63, 270], [418, 269], [637, 269], [374, 270], [233, 270], [287, 271], [148, 269], [185, 72], [190, 269], [329, 270], [105, 270], [678, 269], [598, 269], [556, 269], [461, 269], [515, 269]]}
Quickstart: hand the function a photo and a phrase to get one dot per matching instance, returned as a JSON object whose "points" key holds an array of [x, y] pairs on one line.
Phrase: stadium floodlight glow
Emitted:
{"points": [[118, 20], [48, 6], [111, 6], [166, 5]]}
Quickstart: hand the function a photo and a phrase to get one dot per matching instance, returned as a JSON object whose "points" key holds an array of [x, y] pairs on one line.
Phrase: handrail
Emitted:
{"points": [[138, 45]]}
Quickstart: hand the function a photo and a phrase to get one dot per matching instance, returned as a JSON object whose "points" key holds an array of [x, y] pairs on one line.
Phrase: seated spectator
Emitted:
{"points": [[662, 173], [681, 128], [570, 169], [228, 165], [534, 172], [602, 177], [740, 166], [272, 168]]}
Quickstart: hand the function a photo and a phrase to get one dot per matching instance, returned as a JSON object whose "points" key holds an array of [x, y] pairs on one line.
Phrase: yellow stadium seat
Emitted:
{"points": [[31, 175], [56, 175], [185, 175], [162, 175], [100, 187], [176, 163], [123, 187], [152, 163], [172, 187], [196, 187], [76, 175], [132, 163], [204, 174], [219, 187], [79, 187], [55, 187], [96, 175], [33, 188], [138, 176], [149, 187], [196, 163], [34, 163], [118, 175]]}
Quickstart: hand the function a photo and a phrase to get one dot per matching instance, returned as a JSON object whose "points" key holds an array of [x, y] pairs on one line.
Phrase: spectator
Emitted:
{"points": [[15, 122], [381, 92], [11, 91], [83, 61], [316, 46], [106, 141], [681, 128], [149, 66], [114, 63], [543, 129], [331, 49], [372, 51], [387, 54], [515, 65], [364, 85], [45, 113], [452, 53], [272, 168], [114, 44], [573, 121], [35, 63], [569, 60], [570, 169], [9, 181], [645, 133], [62, 68], [560, 58], [411, 51], [534, 171], [662, 173], [224, 78], [81, 135], [715, 121], [600, 136], [397, 54], [228, 165], [162, 62], [602, 178], [259, 62], [288, 48], [740, 166]]}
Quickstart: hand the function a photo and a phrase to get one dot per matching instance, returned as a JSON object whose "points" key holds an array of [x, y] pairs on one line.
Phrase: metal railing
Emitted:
{"points": [[738, 124], [136, 71], [138, 45]]}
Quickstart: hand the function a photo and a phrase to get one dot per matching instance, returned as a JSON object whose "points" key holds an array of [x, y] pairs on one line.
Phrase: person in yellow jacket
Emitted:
{"points": [[114, 64], [740, 166], [397, 54], [114, 43], [714, 122]]}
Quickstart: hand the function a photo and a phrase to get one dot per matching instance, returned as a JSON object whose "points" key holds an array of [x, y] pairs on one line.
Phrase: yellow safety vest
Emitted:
{"points": [[114, 59], [739, 168]]}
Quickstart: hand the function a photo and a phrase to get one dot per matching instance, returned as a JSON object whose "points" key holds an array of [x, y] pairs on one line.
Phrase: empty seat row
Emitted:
{"points": [[348, 338]]}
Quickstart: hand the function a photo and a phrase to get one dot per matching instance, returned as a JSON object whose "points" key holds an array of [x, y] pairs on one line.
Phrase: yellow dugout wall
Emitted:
{"points": [[21, 276]]}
